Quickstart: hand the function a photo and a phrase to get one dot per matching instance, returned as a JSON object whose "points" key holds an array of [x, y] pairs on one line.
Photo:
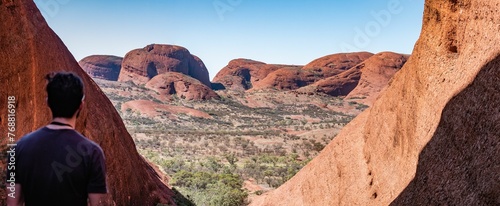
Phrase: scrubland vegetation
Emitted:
{"points": [[242, 150]]}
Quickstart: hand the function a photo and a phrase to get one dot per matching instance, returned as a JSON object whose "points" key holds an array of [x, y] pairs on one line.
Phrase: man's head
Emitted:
{"points": [[64, 94]]}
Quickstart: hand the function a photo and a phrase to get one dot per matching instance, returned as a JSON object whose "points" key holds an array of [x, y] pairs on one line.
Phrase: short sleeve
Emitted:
{"points": [[97, 176]]}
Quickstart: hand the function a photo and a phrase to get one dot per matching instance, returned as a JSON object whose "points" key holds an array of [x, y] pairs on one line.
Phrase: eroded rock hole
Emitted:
{"points": [[151, 70]]}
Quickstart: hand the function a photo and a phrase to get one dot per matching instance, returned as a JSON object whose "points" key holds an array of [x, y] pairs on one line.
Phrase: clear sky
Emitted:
{"points": [[272, 31]]}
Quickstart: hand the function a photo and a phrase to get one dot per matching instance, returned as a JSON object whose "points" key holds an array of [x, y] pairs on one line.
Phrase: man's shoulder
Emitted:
{"points": [[70, 135], [88, 144], [30, 136]]}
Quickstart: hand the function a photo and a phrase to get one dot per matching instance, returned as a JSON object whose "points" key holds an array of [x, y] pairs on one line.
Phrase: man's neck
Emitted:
{"points": [[71, 122]]}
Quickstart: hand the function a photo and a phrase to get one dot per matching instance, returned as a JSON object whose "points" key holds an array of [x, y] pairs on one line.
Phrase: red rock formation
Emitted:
{"points": [[461, 163], [364, 80], [141, 65], [289, 78], [339, 85], [30, 50], [102, 66], [241, 74], [334, 64], [324, 67], [440, 111], [183, 86], [375, 75]]}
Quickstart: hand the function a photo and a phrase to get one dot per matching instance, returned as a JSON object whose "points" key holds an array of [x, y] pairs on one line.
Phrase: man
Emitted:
{"points": [[56, 165]]}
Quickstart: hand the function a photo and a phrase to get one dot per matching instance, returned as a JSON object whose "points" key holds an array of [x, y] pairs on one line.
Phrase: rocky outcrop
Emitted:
{"points": [[242, 74], [431, 138], [30, 50], [339, 85], [181, 85], [461, 163], [376, 72], [324, 67], [334, 64], [363, 81], [287, 79], [105, 67], [141, 65]]}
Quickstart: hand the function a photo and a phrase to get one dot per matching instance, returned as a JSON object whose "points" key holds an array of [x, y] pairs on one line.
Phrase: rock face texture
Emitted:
{"points": [[141, 65], [30, 50], [468, 172], [105, 67], [242, 74], [183, 86], [324, 67], [431, 138]]}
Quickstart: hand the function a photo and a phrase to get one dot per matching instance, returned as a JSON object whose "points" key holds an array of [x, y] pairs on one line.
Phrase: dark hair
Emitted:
{"points": [[64, 93]]}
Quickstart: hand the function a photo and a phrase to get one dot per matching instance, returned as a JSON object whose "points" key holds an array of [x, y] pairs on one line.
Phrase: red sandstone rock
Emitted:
{"points": [[30, 50], [105, 67], [432, 136], [183, 86], [375, 75], [339, 85], [287, 79], [141, 65], [241, 74], [324, 67], [334, 64], [364, 80]]}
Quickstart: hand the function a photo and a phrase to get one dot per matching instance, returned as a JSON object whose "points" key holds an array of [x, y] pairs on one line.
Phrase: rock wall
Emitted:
{"points": [[374, 158]]}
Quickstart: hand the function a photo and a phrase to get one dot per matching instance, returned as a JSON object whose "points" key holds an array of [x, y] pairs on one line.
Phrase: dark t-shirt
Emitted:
{"points": [[59, 167]]}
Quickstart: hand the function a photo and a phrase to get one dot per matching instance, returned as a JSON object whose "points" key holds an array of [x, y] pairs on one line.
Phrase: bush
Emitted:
{"points": [[211, 188]]}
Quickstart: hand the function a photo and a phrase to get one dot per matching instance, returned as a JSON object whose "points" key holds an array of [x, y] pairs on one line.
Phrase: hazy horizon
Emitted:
{"points": [[217, 31]]}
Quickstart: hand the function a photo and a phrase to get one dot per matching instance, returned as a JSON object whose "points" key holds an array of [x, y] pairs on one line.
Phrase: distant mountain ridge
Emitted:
{"points": [[335, 75]]}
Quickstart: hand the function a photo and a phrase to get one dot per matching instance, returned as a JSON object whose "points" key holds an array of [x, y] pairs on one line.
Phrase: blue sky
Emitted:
{"points": [[272, 31]]}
